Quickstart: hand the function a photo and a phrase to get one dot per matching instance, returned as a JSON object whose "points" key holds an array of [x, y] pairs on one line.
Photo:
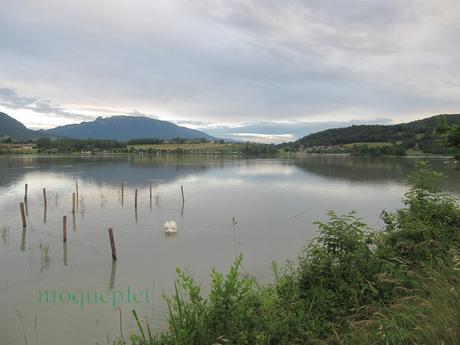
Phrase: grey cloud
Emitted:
{"points": [[11, 100], [279, 132], [231, 62]]}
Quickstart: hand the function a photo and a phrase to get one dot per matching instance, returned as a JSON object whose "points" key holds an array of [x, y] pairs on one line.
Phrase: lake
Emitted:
{"points": [[262, 208]]}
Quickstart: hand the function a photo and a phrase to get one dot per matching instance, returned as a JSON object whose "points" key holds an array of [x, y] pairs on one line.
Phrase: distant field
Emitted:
{"points": [[199, 147], [373, 144], [18, 148]]}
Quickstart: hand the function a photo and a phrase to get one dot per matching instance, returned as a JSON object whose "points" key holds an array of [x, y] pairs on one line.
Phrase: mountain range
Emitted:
{"points": [[122, 128], [415, 134]]}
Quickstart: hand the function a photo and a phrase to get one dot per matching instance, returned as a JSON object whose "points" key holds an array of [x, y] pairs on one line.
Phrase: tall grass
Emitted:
{"points": [[428, 314]]}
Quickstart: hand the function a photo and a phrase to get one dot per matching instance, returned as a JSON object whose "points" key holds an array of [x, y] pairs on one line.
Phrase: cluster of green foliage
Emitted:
{"points": [[450, 135], [382, 150], [75, 145], [417, 135], [258, 149], [453, 137], [6, 140], [352, 285], [219, 147]]}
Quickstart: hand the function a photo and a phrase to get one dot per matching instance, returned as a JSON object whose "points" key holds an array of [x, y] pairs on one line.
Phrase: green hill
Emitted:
{"points": [[415, 135], [11, 128]]}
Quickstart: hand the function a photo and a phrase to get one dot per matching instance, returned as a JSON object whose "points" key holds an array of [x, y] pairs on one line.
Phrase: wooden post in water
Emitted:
{"points": [[112, 245], [44, 198], [23, 214], [135, 199], [26, 188], [76, 188], [182, 190], [73, 203], [64, 228], [122, 191]]}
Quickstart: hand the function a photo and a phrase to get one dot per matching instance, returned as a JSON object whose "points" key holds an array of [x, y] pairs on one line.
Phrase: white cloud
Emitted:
{"points": [[233, 62]]}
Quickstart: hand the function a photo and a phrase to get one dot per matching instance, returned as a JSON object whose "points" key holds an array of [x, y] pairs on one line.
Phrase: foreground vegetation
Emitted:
{"points": [[351, 285]]}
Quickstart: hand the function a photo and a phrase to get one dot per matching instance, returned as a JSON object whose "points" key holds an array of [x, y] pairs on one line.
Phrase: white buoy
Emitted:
{"points": [[170, 226]]}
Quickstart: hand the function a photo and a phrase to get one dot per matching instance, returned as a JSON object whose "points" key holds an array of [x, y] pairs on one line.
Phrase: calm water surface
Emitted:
{"points": [[274, 203]]}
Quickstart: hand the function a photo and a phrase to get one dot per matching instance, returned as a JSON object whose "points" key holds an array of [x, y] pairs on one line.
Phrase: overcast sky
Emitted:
{"points": [[230, 67]]}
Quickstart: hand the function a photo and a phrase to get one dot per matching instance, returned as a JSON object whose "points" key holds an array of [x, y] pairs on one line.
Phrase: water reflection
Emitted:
{"points": [[65, 258], [26, 207], [136, 171], [107, 169], [45, 210], [370, 169], [74, 222], [82, 207], [45, 259], [113, 274], [170, 235], [5, 235], [23, 240]]}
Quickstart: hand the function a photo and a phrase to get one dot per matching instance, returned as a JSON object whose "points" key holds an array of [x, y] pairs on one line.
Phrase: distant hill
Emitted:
{"points": [[412, 135], [125, 128], [11, 128]]}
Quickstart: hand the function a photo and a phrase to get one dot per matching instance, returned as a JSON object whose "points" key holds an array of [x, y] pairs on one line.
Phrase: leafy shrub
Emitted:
{"points": [[338, 268]]}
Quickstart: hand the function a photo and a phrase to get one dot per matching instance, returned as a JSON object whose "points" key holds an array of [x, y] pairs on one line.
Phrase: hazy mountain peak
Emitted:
{"points": [[124, 127]]}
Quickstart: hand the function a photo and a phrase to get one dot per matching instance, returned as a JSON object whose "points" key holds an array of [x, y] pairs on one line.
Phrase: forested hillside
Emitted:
{"points": [[417, 135]]}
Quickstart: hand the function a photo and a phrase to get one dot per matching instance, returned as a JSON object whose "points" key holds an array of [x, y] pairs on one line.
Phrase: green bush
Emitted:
{"points": [[337, 271]]}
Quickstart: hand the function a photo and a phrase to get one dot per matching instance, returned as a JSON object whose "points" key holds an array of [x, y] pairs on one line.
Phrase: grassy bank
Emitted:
{"points": [[351, 285], [221, 148]]}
